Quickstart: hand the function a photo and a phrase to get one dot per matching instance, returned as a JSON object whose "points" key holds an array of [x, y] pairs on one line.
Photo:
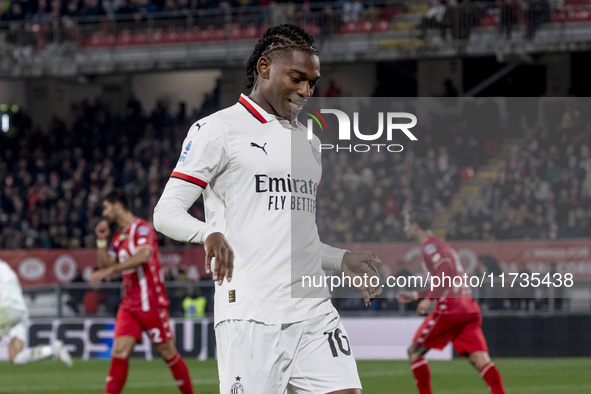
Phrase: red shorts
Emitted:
{"points": [[155, 322], [464, 330]]}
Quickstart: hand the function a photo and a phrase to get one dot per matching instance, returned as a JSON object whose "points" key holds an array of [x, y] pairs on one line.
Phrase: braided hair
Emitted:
{"points": [[279, 38]]}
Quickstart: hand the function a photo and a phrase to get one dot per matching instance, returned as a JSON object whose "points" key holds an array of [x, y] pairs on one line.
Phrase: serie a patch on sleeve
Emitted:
{"points": [[232, 296], [430, 249], [143, 230]]}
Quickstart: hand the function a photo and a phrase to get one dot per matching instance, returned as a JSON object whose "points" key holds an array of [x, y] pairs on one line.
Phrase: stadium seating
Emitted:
{"points": [[135, 28], [468, 177]]}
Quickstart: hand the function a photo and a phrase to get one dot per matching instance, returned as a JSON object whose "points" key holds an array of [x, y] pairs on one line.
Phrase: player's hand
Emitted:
{"points": [[362, 264], [102, 230], [405, 296], [216, 245], [97, 276], [423, 307]]}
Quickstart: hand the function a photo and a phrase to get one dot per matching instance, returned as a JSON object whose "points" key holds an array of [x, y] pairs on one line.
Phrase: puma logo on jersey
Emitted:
{"points": [[253, 145], [199, 125]]}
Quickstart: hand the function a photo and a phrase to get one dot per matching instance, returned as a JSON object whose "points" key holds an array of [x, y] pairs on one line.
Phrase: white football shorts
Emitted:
{"points": [[13, 323], [311, 356]]}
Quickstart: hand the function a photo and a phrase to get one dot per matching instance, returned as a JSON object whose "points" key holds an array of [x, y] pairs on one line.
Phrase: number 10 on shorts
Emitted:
{"points": [[340, 339]]}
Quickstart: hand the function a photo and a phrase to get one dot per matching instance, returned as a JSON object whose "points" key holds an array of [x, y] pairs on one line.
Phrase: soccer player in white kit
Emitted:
{"points": [[273, 337], [14, 316]]}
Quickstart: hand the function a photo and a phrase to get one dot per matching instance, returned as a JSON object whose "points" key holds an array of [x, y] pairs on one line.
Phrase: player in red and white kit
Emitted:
{"points": [[456, 316], [144, 306]]}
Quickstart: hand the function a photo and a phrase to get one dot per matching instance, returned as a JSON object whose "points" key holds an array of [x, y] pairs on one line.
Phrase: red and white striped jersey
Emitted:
{"points": [[144, 288], [442, 260]]}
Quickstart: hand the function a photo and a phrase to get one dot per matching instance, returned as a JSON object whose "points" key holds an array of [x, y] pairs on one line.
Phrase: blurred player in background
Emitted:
{"points": [[144, 306], [456, 316], [14, 316], [260, 225]]}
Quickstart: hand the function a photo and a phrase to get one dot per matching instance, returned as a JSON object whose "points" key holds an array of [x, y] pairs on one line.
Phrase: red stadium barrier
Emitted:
{"points": [[40, 267], [572, 256]]}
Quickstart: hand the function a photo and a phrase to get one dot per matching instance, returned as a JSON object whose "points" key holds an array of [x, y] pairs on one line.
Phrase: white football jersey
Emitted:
{"points": [[260, 177], [11, 294]]}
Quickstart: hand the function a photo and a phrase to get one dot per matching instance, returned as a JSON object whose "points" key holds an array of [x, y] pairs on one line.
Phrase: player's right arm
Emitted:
{"points": [[103, 232], [171, 218], [203, 157], [406, 296]]}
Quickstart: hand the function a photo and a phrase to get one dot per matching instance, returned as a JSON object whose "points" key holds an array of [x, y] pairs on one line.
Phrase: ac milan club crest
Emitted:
{"points": [[237, 387]]}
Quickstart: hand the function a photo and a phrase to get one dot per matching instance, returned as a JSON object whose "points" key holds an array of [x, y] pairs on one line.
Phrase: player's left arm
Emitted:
{"points": [[142, 256], [424, 306], [354, 264], [443, 267], [407, 296]]}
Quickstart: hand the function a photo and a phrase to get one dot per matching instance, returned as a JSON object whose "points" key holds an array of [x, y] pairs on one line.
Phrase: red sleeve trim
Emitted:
{"points": [[188, 178]]}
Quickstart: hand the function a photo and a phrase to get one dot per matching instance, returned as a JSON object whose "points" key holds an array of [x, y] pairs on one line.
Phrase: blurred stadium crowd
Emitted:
{"points": [[42, 10], [53, 180], [244, 17], [36, 10], [540, 190], [544, 192]]}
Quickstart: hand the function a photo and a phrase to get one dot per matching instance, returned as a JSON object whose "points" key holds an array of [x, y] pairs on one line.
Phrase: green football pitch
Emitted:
{"points": [[523, 375]]}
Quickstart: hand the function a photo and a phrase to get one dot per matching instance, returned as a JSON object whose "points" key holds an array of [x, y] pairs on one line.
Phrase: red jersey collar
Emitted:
{"points": [[255, 109]]}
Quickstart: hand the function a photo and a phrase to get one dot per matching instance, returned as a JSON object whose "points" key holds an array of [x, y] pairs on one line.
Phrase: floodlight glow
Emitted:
{"points": [[5, 123]]}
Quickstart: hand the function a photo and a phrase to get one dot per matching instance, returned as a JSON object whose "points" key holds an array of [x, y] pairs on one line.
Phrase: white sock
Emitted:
{"points": [[32, 354]]}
